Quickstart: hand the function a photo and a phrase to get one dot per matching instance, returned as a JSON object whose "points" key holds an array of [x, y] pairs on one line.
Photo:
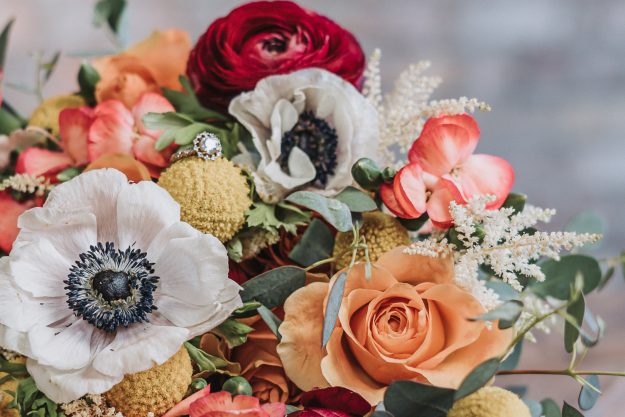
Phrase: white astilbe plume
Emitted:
{"points": [[500, 240], [26, 183], [534, 306], [403, 112]]}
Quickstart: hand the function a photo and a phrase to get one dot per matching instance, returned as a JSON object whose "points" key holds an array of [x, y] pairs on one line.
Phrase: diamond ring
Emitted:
{"points": [[205, 145]]}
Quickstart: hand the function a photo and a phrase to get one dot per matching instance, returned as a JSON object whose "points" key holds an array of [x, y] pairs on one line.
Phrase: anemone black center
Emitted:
{"points": [[275, 44], [317, 139], [112, 285]]}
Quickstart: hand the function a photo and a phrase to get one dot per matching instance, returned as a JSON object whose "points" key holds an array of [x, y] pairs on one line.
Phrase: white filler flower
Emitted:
{"points": [[308, 128], [105, 280]]}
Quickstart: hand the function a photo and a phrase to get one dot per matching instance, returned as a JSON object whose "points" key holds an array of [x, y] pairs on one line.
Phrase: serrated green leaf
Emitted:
{"points": [[335, 298], [273, 217], [271, 320], [356, 200], [550, 408], [410, 399], [560, 275], [507, 314], [272, 288], [570, 411], [88, 78], [315, 244], [478, 377], [571, 330], [588, 396], [333, 211]]}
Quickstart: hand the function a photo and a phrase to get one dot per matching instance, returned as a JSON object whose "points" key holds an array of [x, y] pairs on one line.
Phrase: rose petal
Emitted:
{"points": [[415, 269]]}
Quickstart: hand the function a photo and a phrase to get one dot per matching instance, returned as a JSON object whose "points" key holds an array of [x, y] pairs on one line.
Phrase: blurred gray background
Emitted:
{"points": [[553, 71]]}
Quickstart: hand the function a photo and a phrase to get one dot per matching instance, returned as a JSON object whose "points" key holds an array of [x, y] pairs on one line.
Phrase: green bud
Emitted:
{"points": [[388, 174], [198, 384], [237, 385], [367, 174], [516, 201]]}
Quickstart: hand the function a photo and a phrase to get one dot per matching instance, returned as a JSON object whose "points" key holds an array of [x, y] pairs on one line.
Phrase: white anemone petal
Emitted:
{"points": [[65, 348]]}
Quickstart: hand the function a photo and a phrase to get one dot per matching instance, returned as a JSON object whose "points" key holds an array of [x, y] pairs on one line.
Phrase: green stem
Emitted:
{"points": [[565, 372]]}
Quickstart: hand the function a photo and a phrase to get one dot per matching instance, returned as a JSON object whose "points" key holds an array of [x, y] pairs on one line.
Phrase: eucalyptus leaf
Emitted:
{"points": [[588, 222], [271, 320], [333, 211], [516, 201], [588, 396], [536, 409], [291, 409], [560, 276], [335, 298], [596, 326], [570, 411], [109, 12], [507, 314], [88, 78], [504, 290], [607, 276], [478, 377], [575, 310], [512, 361], [315, 244], [410, 399], [550, 408], [4, 43], [167, 120], [356, 200], [272, 288]]}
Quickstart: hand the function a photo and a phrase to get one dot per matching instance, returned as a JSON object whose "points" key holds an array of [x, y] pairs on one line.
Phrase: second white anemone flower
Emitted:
{"points": [[308, 128], [105, 280]]}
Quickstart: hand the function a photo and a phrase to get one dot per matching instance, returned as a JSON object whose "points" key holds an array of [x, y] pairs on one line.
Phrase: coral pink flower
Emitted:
{"points": [[11, 210], [222, 404], [443, 169]]}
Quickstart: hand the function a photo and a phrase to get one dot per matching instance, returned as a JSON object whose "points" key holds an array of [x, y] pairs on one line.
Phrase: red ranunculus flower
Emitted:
{"points": [[265, 38], [332, 402]]}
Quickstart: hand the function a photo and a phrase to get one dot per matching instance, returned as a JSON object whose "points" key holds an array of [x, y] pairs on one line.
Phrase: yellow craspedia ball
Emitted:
{"points": [[46, 115], [490, 402], [213, 195], [156, 390], [382, 233]]}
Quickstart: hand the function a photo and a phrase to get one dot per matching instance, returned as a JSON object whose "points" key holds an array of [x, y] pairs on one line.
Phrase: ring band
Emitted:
{"points": [[206, 146]]}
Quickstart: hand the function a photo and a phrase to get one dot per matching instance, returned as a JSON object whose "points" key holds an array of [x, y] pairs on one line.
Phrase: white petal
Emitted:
{"points": [[177, 230], [94, 191], [40, 269], [143, 210], [300, 165], [14, 340], [226, 308], [65, 349], [139, 347], [66, 386]]}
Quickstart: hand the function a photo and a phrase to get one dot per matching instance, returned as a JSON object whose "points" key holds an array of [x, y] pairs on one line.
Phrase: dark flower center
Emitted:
{"points": [[275, 44], [317, 139], [112, 285], [109, 288]]}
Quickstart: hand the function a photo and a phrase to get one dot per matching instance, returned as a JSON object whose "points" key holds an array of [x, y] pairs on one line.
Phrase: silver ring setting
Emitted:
{"points": [[206, 146]]}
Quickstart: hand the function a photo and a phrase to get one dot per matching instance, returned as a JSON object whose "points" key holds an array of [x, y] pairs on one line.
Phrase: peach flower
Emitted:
{"points": [[221, 404], [409, 321], [134, 170], [155, 62]]}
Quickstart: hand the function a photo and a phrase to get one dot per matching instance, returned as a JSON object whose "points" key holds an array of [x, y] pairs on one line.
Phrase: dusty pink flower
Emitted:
{"points": [[222, 404]]}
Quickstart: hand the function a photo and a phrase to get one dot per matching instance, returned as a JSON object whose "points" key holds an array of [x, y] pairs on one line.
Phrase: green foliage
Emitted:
{"points": [[516, 201], [550, 408], [9, 119], [507, 314], [587, 222], [414, 224], [109, 13], [570, 411], [410, 399], [4, 43], [68, 174], [273, 217], [356, 200], [233, 332], [271, 320], [478, 377], [247, 310], [237, 385], [332, 307], [590, 393], [560, 276], [16, 370], [512, 361], [272, 288], [29, 401], [367, 174], [333, 211], [315, 244], [204, 361], [187, 102], [535, 407], [575, 317]]}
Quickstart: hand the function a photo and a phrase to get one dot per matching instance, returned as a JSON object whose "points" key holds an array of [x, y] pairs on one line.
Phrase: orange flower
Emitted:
{"points": [[409, 321], [134, 170], [155, 62]]}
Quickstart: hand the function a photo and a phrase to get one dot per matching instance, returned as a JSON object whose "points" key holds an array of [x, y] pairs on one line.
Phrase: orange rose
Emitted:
{"points": [[409, 321], [155, 62]]}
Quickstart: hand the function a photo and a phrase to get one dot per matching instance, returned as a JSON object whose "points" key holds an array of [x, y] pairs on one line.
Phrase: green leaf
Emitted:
{"points": [[333, 306], [588, 222], [512, 361], [367, 174], [414, 224], [315, 244], [507, 314], [9, 121], [516, 201], [68, 174], [560, 275], [16, 370], [271, 320], [503, 289], [596, 325], [569, 411], [273, 217], [273, 287], [550, 408], [247, 310], [356, 200], [48, 67], [109, 12], [88, 78], [186, 102], [291, 409], [167, 120], [165, 139], [4, 43], [202, 359], [234, 332], [333, 211], [535, 407], [186, 134], [477, 378], [410, 399], [609, 273], [588, 396], [571, 331]]}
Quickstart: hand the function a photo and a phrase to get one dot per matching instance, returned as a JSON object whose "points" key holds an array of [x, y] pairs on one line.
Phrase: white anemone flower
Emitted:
{"points": [[105, 280], [308, 128]]}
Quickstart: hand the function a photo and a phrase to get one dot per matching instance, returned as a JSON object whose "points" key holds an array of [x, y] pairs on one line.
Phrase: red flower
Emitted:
{"points": [[11, 210], [332, 402], [265, 38], [443, 169]]}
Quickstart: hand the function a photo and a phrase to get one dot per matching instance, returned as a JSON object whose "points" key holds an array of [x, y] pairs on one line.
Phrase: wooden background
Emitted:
{"points": [[553, 70]]}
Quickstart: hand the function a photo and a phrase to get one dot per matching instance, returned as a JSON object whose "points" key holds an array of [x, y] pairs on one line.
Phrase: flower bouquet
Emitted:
{"points": [[251, 227]]}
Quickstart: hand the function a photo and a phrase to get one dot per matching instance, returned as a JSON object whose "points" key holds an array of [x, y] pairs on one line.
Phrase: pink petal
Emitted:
{"points": [[484, 175], [74, 128], [275, 409], [217, 401], [182, 408], [438, 204], [10, 210], [444, 143], [111, 131], [144, 151], [150, 103], [410, 190], [390, 201], [38, 162]]}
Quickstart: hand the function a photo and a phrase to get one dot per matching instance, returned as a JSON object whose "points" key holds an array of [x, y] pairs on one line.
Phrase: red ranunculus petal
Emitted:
{"points": [[10, 210], [390, 201], [182, 408], [38, 162], [410, 190], [274, 409], [438, 205], [74, 126], [111, 131], [336, 399], [484, 175]]}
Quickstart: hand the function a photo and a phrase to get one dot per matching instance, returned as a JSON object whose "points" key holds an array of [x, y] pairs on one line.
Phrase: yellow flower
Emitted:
{"points": [[490, 402], [46, 116]]}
